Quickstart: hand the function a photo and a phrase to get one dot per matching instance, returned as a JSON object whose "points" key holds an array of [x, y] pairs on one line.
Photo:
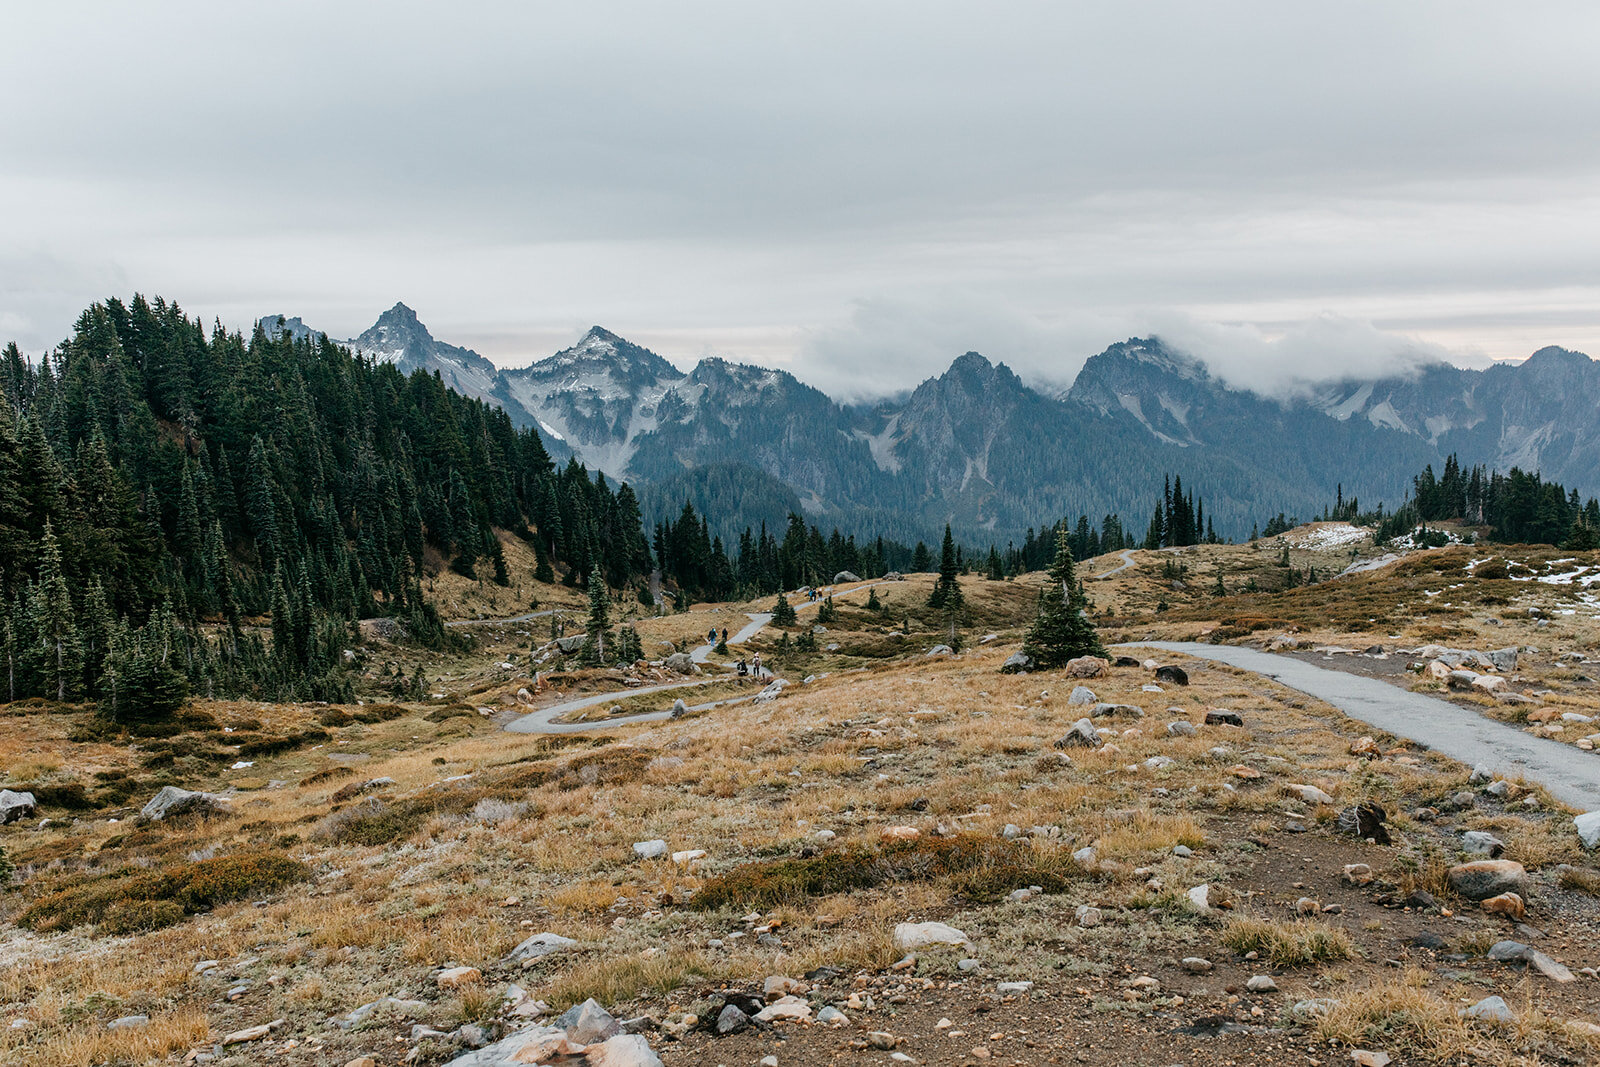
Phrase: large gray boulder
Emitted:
{"points": [[771, 692], [571, 644], [540, 945], [1588, 827], [845, 576], [679, 663], [588, 1023], [1503, 659], [1482, 879], [1017, 663], [1082, 735], [14, 806], [174, 801]]}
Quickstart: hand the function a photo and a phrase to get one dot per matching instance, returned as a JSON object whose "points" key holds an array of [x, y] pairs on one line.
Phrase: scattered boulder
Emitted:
{"points": [[1088, 915], [1082, 694], [538, 946], [1196, 964], [454, 977], [1261, 983], [1504, 660], [1086, 667], [908, 937], [941, 650], [1489, 683], [845, 576], [1017, 663], [679, 663], [1309, 794], [1182, 728], [1223, 717], [588, 1023], [15, 805], [1588, 827], [1506, 905], [1172, 674], [1082, 735], [570, 644], [650, 850], [771, 692], [1365, 746], [1461, 679], [1490, 1009], [785, 1007], [1101, 711], [1482, 879], [730, 1020], [251, 1033], [679, 708], [128, 1022], [1482, 843], [174, 801]]}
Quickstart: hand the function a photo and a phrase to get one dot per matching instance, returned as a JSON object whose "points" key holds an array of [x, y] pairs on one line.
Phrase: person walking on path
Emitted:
{"points": [[755, 664]]}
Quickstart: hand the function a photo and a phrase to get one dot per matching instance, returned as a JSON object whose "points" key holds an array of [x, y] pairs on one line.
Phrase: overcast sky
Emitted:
{"points": [[858, 192]]}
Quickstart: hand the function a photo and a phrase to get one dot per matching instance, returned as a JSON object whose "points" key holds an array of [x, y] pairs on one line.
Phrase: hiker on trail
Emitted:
{"points": [[711, 636], [744, 669], [724, 635], [755, 663]]}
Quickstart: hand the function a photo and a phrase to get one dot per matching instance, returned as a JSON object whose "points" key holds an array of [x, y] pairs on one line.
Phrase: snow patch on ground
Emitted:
{"points": [[1329, 535]]}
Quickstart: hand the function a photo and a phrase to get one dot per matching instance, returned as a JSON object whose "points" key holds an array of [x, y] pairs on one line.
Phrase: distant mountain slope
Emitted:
{"points": [[979, 448]]}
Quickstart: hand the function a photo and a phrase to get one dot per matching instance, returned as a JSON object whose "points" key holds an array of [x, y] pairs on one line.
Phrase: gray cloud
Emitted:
{"points": [[855, 192]]}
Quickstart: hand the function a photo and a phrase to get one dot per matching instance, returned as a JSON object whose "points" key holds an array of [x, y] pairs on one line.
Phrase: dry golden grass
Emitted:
{"points": [[941, 746], [1398, 1014], [1287, 944]]}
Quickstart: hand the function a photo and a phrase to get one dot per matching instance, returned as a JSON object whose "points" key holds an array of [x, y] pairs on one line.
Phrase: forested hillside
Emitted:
{"points": [[162, 488]]}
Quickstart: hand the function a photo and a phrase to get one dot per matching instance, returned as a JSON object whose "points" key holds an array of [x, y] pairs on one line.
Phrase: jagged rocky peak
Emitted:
{"points": [[397, 332], [601, 361], [290, 325]]}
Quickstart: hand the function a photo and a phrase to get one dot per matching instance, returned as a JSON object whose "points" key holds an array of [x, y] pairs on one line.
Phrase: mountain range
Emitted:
{"points": [[979, 448]]}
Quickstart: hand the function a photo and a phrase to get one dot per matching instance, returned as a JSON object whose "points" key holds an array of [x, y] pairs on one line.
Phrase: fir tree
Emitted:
{"points": [[1060, 632], [947, 590], [54, 623], [597, 629], [783, 612], [873, 603]]}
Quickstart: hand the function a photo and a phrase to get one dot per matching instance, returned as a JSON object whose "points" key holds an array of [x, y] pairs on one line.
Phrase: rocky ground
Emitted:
{"points": [[1161, 884]]}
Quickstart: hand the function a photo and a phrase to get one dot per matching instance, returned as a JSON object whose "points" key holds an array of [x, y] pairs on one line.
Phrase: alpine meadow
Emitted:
{"points": [[878, 534]]}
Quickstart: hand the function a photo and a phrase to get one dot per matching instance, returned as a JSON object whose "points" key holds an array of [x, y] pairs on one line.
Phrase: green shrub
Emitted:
{"points": [[978, 866], [129, 897]]}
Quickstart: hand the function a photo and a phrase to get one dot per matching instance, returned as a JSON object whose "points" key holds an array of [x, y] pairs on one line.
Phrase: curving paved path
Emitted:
{"points": [[1571, 775], [1127, 561], [543, 720]]}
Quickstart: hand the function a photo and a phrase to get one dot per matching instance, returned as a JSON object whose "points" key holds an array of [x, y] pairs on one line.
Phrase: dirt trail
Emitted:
{"points": [[1571, 775]]}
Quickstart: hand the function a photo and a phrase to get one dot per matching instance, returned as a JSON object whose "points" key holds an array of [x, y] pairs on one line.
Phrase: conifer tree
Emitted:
{"points": [[598, 627], [873, 603], [54, 622], [1060, 632], [783, 612], [947, 590]]}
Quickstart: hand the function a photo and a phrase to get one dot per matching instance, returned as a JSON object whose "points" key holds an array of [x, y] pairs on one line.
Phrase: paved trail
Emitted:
{"points": [[543, 720], [1571, 775], [1127, 561]]}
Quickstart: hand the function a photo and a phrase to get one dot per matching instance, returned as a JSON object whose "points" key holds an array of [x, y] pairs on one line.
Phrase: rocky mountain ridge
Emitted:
{"points": [[978, 447]]}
